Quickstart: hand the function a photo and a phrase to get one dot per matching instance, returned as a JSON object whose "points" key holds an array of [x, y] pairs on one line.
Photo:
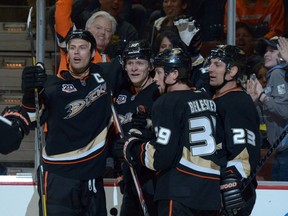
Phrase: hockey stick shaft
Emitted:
{"points": [[132, 170], [38, 126], [265, 158]]}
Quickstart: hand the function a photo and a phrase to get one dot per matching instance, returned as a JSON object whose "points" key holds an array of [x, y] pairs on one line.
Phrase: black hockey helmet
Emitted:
{"points": [[231, 55], [138, 49], [82, 34], [175, 58]]}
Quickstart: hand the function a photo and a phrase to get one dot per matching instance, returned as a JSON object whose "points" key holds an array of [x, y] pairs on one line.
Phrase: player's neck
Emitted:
{"points": [[144, 85], [226, 87], [178, 87], [80, 75]]}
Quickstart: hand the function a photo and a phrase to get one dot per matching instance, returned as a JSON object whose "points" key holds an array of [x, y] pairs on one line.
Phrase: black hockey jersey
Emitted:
{"points": [[183, 152], [78, 114], [238, 131], [127, 102]]}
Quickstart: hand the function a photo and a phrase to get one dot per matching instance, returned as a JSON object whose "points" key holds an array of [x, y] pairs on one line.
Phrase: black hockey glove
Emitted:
{"points": [[141, 118], [189, 32], [143, 134], [141, 124], [10, 136], [19, 117], [33, 77], [231, 194], [130, 141]]}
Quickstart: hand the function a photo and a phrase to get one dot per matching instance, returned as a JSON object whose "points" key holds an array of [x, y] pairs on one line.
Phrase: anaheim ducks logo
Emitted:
{"points": [[75, 107]]}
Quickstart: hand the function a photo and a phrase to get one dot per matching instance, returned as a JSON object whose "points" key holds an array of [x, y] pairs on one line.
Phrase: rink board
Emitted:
{"points": [[19, 197]]}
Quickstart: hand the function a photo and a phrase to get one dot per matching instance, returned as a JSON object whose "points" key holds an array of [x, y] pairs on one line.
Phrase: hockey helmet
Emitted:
{"points": [[138, 49], [82, 34], [174, 58], [232, 56]]}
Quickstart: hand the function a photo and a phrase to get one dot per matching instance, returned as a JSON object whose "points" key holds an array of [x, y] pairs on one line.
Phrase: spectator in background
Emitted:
{"points": [[244, 38], [125, 31], [283, 48], [188, 37], [172, 9], [167, 39], [255, 66], [274, 101], [266, 17], [102, 25]]}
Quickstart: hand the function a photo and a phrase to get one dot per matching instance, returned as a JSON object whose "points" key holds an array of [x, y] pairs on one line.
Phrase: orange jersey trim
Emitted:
{"points": [[227, 91], [199, 176]]}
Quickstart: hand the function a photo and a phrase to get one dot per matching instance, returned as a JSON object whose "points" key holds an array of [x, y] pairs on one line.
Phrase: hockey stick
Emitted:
{"points": [[38, 127], [132, 170], [265, 158]]}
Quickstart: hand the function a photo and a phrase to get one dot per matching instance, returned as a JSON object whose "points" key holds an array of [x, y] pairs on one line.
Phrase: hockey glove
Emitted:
{"points": [[143, 134], [127, 149], [231, 194], [19, 117], [141, 119], [141, 124], [33, 77], [10, 136]]}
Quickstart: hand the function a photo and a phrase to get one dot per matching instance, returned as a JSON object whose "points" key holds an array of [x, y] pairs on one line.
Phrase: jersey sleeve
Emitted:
{"points": [[161, 152]]}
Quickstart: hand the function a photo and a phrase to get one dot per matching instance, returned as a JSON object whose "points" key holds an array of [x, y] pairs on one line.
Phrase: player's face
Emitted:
{"points": [[138, 71], [79, 55], [271, 57], [165, 44], [101, 29], [159, 79], [217, 70]]}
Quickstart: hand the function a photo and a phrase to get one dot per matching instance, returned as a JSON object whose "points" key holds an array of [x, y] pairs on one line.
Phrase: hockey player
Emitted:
{"points": [[183, 151], [14, 125], [77, 110], [237, 129], [142, 91]]}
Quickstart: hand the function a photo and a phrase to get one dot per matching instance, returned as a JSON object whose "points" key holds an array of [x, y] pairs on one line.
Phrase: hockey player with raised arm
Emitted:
{"points": [[184, 148], [76, 105], [237, 129], [14, 125]]}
